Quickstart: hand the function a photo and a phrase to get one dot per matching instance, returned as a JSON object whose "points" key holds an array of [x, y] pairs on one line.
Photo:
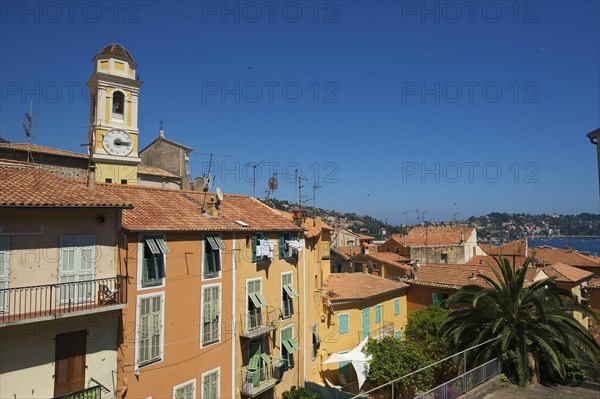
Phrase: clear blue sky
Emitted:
{"points": [[388, 90]]}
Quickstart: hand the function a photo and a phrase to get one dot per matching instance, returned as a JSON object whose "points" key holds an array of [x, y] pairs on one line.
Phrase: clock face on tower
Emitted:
{"points": [[117, 142]]}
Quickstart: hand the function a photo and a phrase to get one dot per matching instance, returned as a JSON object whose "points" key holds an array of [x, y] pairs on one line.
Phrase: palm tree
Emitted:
{"points": [[533, 323]]}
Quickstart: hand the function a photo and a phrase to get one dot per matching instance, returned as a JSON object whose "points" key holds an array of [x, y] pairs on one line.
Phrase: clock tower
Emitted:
{"points": [[113, 134]]}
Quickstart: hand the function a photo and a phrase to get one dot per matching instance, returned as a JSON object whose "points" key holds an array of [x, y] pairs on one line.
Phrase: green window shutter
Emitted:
{"points": [[366, 322], [281, 246], [397, 307], [343, 324], [398, 334], [253, 244], [436, 299], [377, 314]]}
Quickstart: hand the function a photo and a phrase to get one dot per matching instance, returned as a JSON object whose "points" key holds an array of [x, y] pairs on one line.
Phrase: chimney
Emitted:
{"points": [[92, 177], [365, 248], [211, 207]]}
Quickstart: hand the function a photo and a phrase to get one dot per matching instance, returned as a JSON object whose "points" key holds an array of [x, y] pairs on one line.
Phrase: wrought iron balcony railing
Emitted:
{"points": [[22, 304], [258, 321], [255, 382], [384, 329]]}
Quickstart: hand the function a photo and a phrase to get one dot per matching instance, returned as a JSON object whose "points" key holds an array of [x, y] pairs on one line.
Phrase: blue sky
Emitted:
{"points": [[389, 106]]}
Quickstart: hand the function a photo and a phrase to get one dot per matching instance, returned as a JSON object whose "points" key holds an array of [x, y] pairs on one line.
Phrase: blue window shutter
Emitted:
{"points": [[397, 307], [398, 334], [366, 322], [377, 314], [343, 327]]}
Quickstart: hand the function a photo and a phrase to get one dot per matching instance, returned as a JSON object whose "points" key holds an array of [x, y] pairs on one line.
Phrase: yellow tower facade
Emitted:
{"points": [[113, 135]]}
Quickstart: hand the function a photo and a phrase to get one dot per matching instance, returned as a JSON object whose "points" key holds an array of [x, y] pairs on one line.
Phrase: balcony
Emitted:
{"points": [[258, 322], [45, 302], [88, 393], [387, 328], [255, 382]]}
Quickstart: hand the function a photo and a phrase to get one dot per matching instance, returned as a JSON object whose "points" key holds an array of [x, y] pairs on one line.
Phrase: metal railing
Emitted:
{"points": [[22, 303], [387, 328], [257, 381], [258, 321], [94, 392], [461, 384]]}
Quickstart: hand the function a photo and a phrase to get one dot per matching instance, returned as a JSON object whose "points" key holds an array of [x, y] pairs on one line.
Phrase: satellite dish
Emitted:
{"points": [[199, 184], [219, 194], [273, 183]]}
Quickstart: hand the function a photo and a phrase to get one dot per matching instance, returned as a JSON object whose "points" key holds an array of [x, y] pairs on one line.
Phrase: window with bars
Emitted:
{"points": [[153, 265], [150, 330], [211, 315], [255, 303], [210, 385], [185, 392], [288, 345], [288, 293], [213, 245]]}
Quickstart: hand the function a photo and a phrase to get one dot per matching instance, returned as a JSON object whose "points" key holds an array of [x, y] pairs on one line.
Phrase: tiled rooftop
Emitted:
{"points": [[388, 258], [339, 287], [429, 236], [312, 227], [40, 149], [158, 209], [569, 257], [28, 186], [347, 252], [154, 171], [517, 247]]}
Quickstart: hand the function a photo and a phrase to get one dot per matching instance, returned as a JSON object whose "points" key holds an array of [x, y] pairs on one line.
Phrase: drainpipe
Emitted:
{"points": [[304, 333], [233, 326]]}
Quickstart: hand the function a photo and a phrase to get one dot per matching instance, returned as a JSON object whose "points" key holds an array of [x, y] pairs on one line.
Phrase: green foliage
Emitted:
{"points": [[300, 393], [393, 358], [534, 324], [425, 329], [575, 370]]}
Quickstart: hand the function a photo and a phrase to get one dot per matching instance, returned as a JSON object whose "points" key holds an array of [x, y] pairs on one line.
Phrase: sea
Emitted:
{"points": [[589, 244]]}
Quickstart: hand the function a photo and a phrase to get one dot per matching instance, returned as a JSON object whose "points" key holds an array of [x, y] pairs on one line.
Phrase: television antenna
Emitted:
{"points": [[316, 186], [254, 166], [273, 184], [454, 217], [207, 177], [27, 129]]}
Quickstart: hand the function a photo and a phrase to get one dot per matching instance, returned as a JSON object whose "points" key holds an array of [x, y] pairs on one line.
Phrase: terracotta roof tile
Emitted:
{"points": [[428, 236], [517, 247], [567, 273], [365, 237], [40, 149], [26, 186], [388, 258], [154, 171], [347, 251], [340, 287], [159, 209], [450, 276], [489, 260], [569, 257]]}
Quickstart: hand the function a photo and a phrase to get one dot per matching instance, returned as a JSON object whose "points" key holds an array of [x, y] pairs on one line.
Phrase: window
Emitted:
{"points": [[211, 314], [398, 334], [185, 391], [343, 323], [288, 345], [4, 251], [288, 292], [285, 250], [123, 181], [108, 180], [444, 257], [261, 248], [212, 256], [257, 359], [153, 265], [357, 267], [118, 103], [150, 329], [255, 301], [437, 299], [210, 385], [397, 307], [316, 341], [377, 314], [77, 264]]}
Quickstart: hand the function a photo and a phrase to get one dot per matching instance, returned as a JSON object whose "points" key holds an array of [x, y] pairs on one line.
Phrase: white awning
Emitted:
{"points": [[359, 361]]}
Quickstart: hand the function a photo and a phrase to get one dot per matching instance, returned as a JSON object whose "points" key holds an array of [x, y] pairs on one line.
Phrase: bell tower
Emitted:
{"points": [[114, 92]]}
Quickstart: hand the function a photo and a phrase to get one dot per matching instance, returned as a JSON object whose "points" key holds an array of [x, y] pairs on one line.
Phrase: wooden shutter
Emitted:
{"points": [[436, 299], [185, 392], [211, 314], [366, 322], [156, 327], [397, 307], [70, 351], [4, 250], [377, 314], [281, 246], [253, 245], [210, 387], [343, 323], [150, 329]]}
